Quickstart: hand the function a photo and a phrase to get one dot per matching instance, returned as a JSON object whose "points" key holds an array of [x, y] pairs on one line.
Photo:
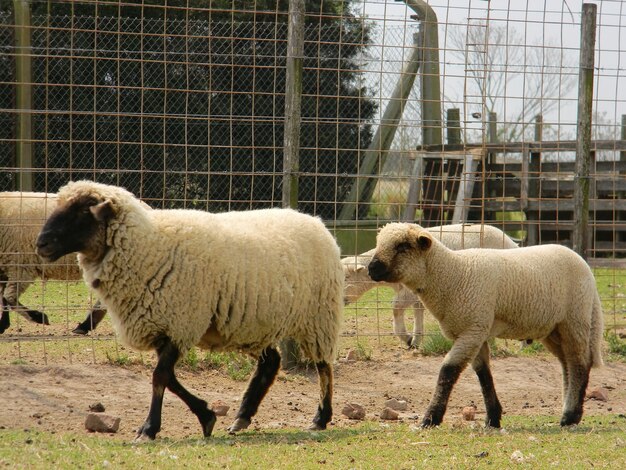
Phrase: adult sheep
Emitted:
{"points": [[544, 292], [173, 279], [22, 215], [455, 237]]}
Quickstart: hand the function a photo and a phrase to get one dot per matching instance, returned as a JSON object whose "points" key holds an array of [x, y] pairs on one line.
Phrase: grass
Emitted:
{"points": [[525, 442]]}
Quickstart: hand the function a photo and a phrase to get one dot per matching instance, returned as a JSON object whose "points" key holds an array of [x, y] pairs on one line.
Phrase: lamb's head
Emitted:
{"points": [[78, 224], [357, 280], [400, 255]]}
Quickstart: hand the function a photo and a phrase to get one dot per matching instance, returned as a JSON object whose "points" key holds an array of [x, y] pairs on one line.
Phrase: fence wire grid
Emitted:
{"points": [[432, 112]]}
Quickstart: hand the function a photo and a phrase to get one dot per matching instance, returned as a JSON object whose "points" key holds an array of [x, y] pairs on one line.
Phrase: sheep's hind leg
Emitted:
{"points": [[164, 377], [481, 366], [264, 375], [94, 317], [325, 408]]}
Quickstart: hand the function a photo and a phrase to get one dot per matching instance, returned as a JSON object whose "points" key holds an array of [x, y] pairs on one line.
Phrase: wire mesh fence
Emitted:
{"points": [[433, 112]]}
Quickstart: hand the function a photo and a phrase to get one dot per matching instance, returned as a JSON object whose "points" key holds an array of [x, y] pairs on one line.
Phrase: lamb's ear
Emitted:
{"points": [[424, 242], [103, 212]]}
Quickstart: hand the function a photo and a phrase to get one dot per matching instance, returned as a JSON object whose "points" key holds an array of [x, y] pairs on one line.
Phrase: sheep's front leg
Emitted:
{"points": [[5, 320], [264, 375], [483, 371], [325, 408], [463, 350], [164, 377]]}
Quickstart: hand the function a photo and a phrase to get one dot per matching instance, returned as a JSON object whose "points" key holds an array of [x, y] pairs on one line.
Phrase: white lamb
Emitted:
{"points": [[22, 215], [173, 279], [545, 292], [455, 237]]}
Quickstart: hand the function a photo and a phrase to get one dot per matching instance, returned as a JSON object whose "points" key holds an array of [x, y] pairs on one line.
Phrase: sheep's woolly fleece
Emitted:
{"points": [[22, 214], [251, 277]]}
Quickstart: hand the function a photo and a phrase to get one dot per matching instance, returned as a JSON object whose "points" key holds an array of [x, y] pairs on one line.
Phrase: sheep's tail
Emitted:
{"points": [[596, 333]]}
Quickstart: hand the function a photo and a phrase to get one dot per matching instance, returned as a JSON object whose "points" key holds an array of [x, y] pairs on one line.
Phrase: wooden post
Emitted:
{"points": [[580, 237], [23, 96], [534, 189], [453, 126], [293, 110]]}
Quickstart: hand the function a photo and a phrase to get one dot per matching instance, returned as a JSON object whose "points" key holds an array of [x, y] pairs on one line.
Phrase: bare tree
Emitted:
{"points": [[507, 75]]}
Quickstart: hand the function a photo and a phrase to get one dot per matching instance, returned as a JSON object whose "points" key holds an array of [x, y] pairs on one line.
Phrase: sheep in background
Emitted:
{"points": [[22, 215], [455, 237], [544, 292], [173, 279]]}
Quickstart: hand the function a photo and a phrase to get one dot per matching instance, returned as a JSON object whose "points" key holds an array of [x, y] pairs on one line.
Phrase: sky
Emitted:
{"points": [[549, 25]]}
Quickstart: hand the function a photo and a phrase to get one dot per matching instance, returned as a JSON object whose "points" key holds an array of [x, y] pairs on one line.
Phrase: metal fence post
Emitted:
{"points": [[580, 237], [293, 110], [23, 96]]}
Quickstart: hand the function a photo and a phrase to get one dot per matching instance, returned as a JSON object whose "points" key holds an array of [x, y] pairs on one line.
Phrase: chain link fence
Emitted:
{"points": [[184, 106]]}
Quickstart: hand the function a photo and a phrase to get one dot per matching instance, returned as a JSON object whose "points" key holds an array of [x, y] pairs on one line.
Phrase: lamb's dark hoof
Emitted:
{"points": [[80, 330], [238, 425], [317, 427], [571, 419], [428, 423], [146, 433], [38, 317]]}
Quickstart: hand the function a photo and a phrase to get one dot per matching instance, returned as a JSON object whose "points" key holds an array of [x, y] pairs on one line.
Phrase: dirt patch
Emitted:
{"points": [[56, 399]]}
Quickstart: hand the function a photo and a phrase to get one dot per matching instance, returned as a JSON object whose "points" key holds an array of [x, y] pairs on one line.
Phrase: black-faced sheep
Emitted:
{"points": [[173, 279], [544, 292], [455, 237], [22, 215]]}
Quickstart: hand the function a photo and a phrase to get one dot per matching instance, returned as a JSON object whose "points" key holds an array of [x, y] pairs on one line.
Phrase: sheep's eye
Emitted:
{"points": [[403, 247]]}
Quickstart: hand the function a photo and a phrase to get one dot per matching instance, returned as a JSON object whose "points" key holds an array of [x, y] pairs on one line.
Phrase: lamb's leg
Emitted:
{"points": [[481, 366], [553, 344], [418, 325], [463, 350], [325, 408], [264, 375], [578, 367], [94, 317], [400, 302], [399, 328], [164, 377]]}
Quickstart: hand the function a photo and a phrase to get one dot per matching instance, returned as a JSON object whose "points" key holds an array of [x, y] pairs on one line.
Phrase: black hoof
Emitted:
{"points": [[208, 424], [38, 317], [80, 330]]}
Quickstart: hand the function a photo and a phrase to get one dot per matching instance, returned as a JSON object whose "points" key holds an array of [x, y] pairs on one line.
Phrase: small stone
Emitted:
{"points": [[388, 414], [599, 393], [96, 407], [469, 413], [97, 422], [353, 411], [220, 408], [397, 405]]}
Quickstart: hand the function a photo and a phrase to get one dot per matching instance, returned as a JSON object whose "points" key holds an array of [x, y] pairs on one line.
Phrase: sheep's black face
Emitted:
{"points": [[73, 227]]}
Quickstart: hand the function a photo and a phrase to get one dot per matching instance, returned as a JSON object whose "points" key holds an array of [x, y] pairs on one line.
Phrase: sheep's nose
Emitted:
{"points": [[42, 240], [377, 270]]}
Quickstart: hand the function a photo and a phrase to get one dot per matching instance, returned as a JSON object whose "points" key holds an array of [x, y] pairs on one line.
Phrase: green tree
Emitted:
{"points": [[187, 104]]}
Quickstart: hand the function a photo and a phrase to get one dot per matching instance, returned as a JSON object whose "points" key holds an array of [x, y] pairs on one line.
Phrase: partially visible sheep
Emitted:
{"points": [[22, 215], [172, 279], [455, 237], [545, 292]]}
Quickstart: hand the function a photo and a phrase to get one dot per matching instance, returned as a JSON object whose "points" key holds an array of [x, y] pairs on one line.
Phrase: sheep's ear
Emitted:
{"points": [[424, 242], [103, 212]]}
